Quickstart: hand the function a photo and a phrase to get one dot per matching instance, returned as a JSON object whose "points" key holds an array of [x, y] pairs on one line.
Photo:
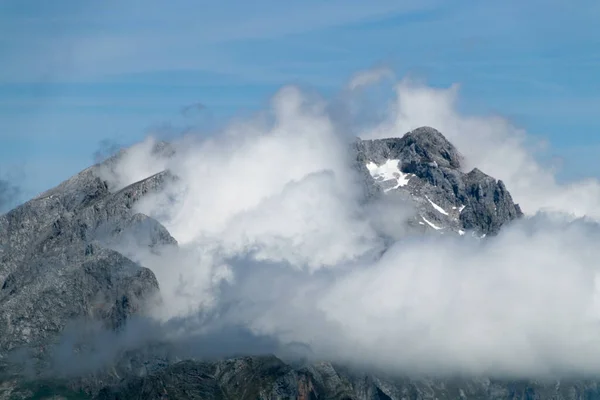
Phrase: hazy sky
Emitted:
{"points": [[74, 73]]}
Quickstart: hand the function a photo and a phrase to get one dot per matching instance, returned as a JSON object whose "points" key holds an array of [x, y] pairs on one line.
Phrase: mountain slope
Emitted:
{"points": [[56, 262]]}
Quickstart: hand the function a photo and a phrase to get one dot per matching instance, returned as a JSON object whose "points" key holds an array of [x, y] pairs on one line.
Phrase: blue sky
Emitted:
{"points": [[75, 72]]}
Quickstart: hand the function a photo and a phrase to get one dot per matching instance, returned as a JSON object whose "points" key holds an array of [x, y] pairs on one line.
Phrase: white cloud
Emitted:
{"points": [[525, 304], [271, 207], [134, 164]]}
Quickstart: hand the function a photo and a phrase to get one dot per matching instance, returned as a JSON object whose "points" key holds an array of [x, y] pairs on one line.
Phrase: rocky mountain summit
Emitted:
{"points": [[59, 264], [56, 261], [428, 167]]}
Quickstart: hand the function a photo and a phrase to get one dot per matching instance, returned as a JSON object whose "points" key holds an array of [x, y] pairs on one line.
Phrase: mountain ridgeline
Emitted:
{"points": [[58, 264], [428, 167]]}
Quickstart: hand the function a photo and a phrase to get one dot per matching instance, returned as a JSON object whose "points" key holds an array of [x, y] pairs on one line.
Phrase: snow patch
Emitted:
{"points": [[388, 171], [431, 224], [437, 208], [461, 232]]}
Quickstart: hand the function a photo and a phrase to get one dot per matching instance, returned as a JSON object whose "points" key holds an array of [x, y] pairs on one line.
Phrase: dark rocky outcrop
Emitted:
{"points": [[268, 378], [447, 198]]}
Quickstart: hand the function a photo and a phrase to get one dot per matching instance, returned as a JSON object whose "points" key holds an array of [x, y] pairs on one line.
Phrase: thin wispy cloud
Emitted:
{"points": [[370, 77]]}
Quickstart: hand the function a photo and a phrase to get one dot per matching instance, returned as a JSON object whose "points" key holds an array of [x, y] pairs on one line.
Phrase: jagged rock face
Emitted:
{"points": [[56, 264], [269, 378], [44, 294], [426, 166]]}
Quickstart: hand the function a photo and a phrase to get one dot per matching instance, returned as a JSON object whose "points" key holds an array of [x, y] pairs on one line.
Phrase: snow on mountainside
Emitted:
{"points": [[426, 166]]}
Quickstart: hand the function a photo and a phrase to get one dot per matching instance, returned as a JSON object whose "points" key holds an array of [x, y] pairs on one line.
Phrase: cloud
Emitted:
{"points": [[275, 237], [86, 347], [523, 305], [277, 187], [134, 163], [369, 77]]}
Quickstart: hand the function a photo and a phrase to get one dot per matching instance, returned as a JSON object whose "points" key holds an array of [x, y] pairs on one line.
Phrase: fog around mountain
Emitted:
{"points": [[275, 236]]}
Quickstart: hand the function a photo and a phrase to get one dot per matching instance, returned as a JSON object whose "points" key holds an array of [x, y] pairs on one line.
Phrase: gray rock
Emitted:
{"points": [[447, 198], [56, 262], [267, 377], [80, 281]]}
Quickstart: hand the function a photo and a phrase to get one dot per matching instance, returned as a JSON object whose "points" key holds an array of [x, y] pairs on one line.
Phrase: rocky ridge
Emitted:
{"points": [[426, 166], [56, 261], [267, 377]]}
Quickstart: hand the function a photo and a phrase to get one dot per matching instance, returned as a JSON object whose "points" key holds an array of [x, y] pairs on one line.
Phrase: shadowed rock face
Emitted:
{"points": [[424, 165], [267, 377]]}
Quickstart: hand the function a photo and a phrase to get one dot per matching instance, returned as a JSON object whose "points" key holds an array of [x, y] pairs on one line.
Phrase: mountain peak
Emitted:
{"points": [[429, 145], [427, 166]]}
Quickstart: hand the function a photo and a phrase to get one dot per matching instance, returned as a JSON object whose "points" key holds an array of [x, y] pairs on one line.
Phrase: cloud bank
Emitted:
{"points": [[275, 237]]}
